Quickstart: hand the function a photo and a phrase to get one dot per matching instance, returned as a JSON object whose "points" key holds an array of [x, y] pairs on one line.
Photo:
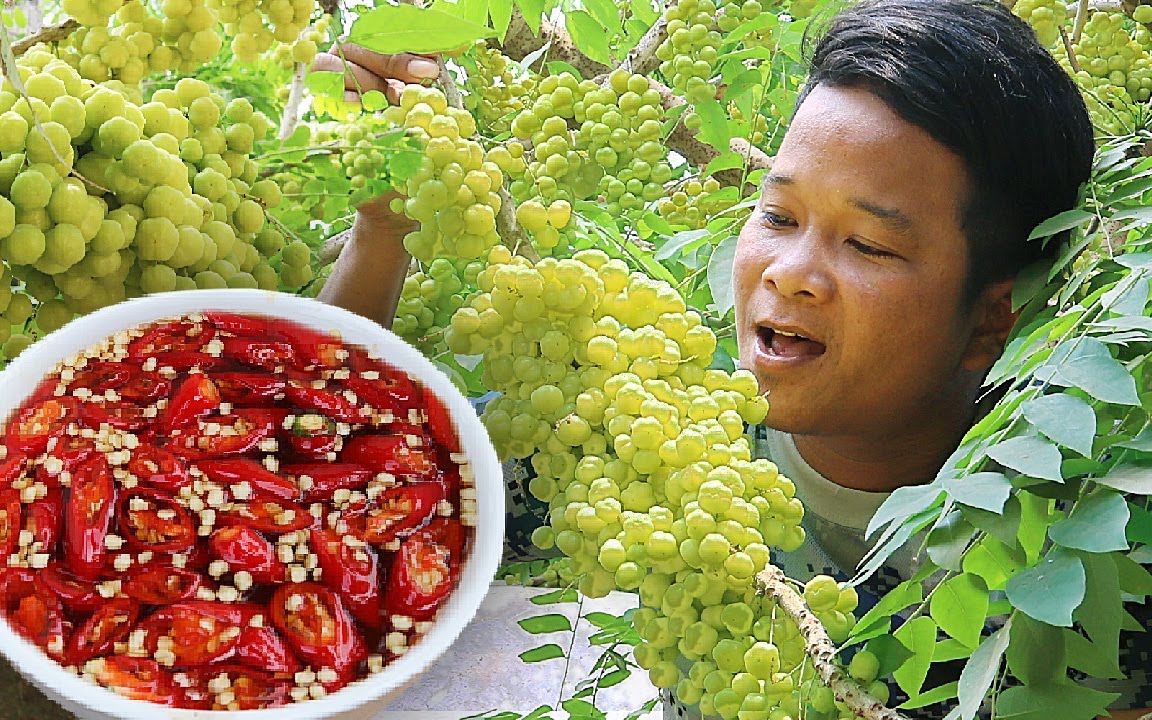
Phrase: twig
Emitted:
{"points": [[331, 248], [820, 649], [50, 34], [1068, 50], [291, 117], [1077, 26], [642, 60]]}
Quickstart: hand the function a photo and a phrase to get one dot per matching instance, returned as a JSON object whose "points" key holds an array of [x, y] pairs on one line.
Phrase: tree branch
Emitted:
{"points": [[291, 116], [821, 650], [50, 34], [642, 60], [520, 42]]}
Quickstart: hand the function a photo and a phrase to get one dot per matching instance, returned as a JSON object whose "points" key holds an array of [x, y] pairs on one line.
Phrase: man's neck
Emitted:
{"points": [[884, 463]]}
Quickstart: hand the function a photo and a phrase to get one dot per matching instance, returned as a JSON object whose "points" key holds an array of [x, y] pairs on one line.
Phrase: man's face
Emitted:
{"points": [[849, 274]]}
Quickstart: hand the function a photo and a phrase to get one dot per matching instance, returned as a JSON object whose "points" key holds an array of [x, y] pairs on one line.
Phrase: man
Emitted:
{"points": [[873, 280]]}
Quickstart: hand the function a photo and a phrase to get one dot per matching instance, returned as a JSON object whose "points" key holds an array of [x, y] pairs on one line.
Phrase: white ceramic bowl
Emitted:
{"points": [[92, 701]]}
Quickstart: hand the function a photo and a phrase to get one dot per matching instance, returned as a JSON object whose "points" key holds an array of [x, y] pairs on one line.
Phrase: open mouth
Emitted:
{"points": [[786, 344]]}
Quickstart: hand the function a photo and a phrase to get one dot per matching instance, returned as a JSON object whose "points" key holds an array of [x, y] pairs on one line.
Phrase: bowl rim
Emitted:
{"points": [[479, 569]]}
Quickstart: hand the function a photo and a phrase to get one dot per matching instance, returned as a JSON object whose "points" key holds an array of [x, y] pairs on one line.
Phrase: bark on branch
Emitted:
{"points": [[520, 42], [50, 34], [821, 650]]}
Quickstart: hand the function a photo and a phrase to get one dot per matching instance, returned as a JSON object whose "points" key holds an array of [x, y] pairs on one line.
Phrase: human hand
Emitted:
{"points": [[366, 70]]}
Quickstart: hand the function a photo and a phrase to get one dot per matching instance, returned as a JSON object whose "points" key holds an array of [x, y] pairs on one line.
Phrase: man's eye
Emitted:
{"points": [[776, 219], [866, 249]]}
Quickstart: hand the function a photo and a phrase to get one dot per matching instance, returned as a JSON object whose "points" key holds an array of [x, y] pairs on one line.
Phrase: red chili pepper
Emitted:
{"points": [[262, 648], [425, 571], [391, 454], [76, 594], [162, 585], [332, 404], [12, 469], [35, 425], [251, 689], [246, 549], [109, 624], [186, 361], [71, 451], [10, 521], [159, 468], [327, 478], [202, 632], [88, 517], [263, 482], [310, 443], [391, 388], [33, 610], [43, 519], [196, 397], [119, 415], [350, 571], [172, 337], [267, 354], [145, 387], [138, 679], [247, 427], [313, 347], [396, 513], [265, 516], [240, 324], [315, 624], [247, 388], [440, 422], [100, 376], [152, 520]]}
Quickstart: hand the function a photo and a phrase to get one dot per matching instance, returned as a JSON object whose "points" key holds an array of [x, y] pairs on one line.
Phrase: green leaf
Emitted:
{"points": [[933, 696], [1002, 526], [903, 503], [501, 13], [949, 539], [985, 490], [1059, 223], [533, 12], [720, 274], [588, 36], [1087, 364], [1036, 653], [392, 29], [613, 678], [994, 561], [1087, 656], [546, 624], [904, 595], [1035, 518], [890, 652], [959, 607], [605, 13], [1129, 478], [980, 671], [582, 710], [742, 83], [1102, 611], [1096, 524], [679, 242], [1029, 455], [1140, 526], [1134, 578], [556, 596], [602, 619], [1031, 589], [325, 83], [714, 125], [542, 653], [950, 649], [724, 161], [1064, 418], [1044, 702], [919, 636]]}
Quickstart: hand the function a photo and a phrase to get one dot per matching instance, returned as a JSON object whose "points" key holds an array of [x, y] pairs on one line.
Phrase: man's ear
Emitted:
{"points": [[993, 318]]}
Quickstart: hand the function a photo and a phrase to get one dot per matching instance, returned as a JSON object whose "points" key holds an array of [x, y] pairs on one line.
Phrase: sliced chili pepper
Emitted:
{"points": [[350, 571], [327, 478], [263, 482], [119, 415], [196, 397], [88, 517], [315, 623], [43, 518], [71, 451], [272, 516], [440, 421], [246, 549], [246, 428], [202, 632], [396, 513], [138, 679], [76, 594], [312, 437], [145, 387], [180, 336], [245, 388], [313, 347], [240, 324], [424, 573], [262, 648], [251, 689], [35, 425], [391, 454], [159, 468], [152, 520], [267, 354], [10, 522], [186, 361], [33, 610], [390, 388], [109, 624], [100, 376], [332, 404], [162, 585], [12, 469]]}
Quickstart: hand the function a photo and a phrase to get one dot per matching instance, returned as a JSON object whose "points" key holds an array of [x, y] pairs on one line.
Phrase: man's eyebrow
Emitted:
{"points": [[892, 217], [773, 179]]}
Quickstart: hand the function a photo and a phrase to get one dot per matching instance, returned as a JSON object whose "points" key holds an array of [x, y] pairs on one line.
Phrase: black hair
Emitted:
{"points": [[973, 76]]}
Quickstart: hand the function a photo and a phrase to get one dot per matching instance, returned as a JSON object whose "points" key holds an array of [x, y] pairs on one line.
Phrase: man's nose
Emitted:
{"points": [[799, 268]]}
